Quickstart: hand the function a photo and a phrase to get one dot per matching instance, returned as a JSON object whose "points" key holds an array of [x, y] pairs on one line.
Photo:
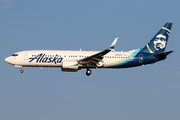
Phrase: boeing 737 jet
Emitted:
{"points": [[72, 61]]}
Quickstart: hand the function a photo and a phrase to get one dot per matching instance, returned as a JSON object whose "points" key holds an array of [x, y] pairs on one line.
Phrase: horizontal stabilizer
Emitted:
{"points": [[162, 55]]}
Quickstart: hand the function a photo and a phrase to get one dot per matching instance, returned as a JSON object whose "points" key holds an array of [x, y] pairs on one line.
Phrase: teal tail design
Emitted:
{"points": [[158, 43]]}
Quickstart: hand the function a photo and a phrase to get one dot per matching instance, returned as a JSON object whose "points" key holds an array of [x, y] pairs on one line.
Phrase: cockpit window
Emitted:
{"points": [[14, 55]]}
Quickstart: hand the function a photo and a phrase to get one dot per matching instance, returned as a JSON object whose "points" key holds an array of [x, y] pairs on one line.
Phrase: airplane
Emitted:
{"points": [[72, 61]]}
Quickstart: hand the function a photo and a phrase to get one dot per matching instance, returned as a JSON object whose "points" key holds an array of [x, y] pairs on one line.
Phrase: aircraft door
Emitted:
{"points": [[140, 58], [25, 56]]}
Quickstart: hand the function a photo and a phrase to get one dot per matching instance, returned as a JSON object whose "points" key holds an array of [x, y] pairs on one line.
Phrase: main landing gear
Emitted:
{"points": [[88, 72]]}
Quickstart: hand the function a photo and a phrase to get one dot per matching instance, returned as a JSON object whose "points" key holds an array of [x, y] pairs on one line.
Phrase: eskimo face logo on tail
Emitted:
{"points": [[42, 58], [160, 42]]}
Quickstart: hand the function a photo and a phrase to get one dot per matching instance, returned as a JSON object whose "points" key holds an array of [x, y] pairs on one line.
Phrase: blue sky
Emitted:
{"points": [[148, 92]]}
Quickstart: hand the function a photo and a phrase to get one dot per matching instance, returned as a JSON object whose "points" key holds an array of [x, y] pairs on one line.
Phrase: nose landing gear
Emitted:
{"points": [[17, 66], [21, 71], [88, 72]]}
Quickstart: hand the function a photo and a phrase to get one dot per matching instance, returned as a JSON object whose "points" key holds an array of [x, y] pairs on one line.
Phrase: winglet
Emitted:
{"points": [[113, 44]]}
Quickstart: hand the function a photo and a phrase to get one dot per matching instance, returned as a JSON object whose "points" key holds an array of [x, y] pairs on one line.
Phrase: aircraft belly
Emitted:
{"points": [[109, 62]]}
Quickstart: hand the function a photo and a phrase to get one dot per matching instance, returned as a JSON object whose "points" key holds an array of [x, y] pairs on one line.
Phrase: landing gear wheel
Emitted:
{"points": [[21, 71], [88, 72]]}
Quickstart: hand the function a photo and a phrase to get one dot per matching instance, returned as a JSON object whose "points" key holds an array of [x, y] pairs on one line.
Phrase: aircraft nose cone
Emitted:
{"points": [[7, 60]]}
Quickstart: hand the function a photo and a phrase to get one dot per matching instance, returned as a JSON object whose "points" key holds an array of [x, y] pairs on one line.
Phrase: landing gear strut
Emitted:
{"points": [[21, 71], [88, 72]]}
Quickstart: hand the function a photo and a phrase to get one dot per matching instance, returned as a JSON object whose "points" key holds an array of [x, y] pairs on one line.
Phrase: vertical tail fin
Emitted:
{"points": [[158, 43]]}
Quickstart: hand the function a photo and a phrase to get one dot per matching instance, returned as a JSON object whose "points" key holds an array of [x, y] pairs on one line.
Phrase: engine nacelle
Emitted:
{"points": [[70, 66]]}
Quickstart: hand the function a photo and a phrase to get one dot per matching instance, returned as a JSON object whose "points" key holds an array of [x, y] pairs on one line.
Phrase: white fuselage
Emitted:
{"points": [[54, 58]]}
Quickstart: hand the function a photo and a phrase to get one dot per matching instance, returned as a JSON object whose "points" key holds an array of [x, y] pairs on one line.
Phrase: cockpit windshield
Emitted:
{"points": [[14, 55]]}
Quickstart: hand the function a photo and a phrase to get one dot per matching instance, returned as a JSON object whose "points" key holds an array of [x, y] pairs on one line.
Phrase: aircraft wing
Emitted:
{"points": [[93, 60]]}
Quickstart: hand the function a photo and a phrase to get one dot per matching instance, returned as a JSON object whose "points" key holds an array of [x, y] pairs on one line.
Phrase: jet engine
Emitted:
{"points": [[70, 66]]}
